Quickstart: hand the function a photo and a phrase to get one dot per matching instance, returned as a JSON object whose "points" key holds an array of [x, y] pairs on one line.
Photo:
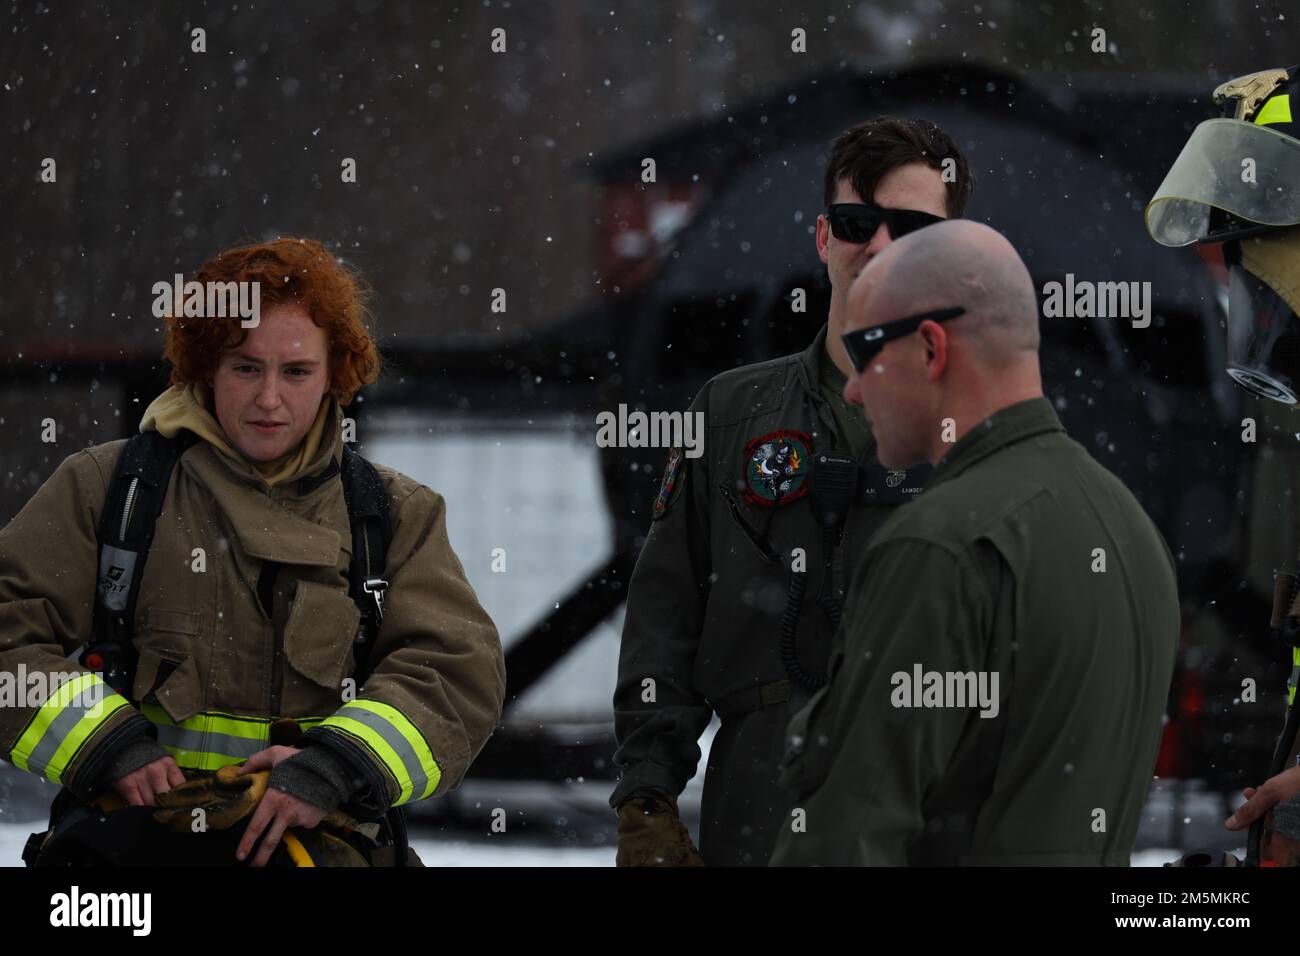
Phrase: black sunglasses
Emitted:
{"points": [[863, 345], [858, 222]]}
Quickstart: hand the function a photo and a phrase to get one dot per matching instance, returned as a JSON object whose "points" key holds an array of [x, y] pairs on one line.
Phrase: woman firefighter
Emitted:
{"points": [[248, 594]]}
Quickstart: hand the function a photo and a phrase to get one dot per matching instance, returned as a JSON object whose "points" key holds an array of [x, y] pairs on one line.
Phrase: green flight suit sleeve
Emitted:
{"points": [[862, 766], [658, 713]]}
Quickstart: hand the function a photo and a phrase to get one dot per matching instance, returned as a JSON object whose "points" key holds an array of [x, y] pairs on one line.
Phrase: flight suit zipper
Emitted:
{"points": [[757, 539]]}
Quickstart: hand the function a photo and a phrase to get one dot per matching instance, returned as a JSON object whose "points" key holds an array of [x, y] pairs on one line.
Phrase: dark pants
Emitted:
{"points": [[744, 807], [81, 834]]}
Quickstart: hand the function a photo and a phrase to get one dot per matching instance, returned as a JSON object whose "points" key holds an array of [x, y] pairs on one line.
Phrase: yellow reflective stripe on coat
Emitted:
{"points": [[212, 740], [69, 716], [395, 742], [1276, 110], [1295, 675]]}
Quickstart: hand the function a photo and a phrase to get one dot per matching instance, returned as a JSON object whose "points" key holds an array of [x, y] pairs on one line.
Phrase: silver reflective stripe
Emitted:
{"points": [[209, 742], [85, 700], [393, 737]]}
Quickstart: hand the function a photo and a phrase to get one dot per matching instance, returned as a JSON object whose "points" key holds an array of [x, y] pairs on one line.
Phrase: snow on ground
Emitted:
{"points": [[1195, 820], [466, 853], [13, 837], [439, 853], [462, 853], [1158, 857]]}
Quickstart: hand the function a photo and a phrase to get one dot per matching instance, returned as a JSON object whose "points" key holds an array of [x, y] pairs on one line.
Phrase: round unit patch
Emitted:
{"points": [[776, 467]]}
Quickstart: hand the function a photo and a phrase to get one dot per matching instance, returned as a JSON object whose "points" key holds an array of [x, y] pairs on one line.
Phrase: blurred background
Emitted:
{"points": [[522, 171]]}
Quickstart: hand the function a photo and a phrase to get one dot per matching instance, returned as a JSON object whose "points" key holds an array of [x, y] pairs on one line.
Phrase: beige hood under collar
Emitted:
{"points": [[190, 406]]}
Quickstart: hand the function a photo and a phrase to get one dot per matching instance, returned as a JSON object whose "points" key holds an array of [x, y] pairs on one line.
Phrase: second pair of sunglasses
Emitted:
{"points": [[858, 222], [862, 345]]}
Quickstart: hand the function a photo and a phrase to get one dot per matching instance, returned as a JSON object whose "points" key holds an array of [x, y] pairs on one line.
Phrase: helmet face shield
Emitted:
{"points": [[1237, 181], [1263, 328], [1233, 178]]}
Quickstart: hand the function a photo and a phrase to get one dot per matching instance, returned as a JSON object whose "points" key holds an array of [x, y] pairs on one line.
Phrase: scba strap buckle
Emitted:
{"points": [[375, 587]]}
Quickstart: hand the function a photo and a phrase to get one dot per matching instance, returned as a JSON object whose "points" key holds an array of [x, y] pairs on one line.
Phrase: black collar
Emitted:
{"points": [[309, 483]]}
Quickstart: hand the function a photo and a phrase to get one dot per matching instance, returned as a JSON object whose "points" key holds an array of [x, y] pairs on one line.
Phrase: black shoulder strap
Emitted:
{"points": [[126, 525], [126, 528], [368, 512]]}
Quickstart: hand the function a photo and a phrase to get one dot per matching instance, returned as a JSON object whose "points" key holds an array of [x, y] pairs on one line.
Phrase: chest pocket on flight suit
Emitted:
{"points": [[762, 547]]}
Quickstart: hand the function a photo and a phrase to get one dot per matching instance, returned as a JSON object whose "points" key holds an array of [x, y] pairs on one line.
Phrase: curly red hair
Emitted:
{"points": [[289, 269]]}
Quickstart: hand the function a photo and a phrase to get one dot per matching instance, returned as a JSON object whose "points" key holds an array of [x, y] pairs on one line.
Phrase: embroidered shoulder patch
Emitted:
{"points": [[776, 467], [672, 481]]}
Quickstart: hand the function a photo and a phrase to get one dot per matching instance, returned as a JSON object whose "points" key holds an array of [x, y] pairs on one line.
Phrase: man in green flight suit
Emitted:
{"points": [[1009, 638], [736, 593]]}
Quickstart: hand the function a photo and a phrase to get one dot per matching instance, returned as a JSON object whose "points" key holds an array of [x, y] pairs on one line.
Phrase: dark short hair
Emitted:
{"points": [[865, 153]]}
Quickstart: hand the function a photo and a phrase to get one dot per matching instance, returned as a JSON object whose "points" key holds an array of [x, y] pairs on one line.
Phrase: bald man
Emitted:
{"points": [[1009, 636]]}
